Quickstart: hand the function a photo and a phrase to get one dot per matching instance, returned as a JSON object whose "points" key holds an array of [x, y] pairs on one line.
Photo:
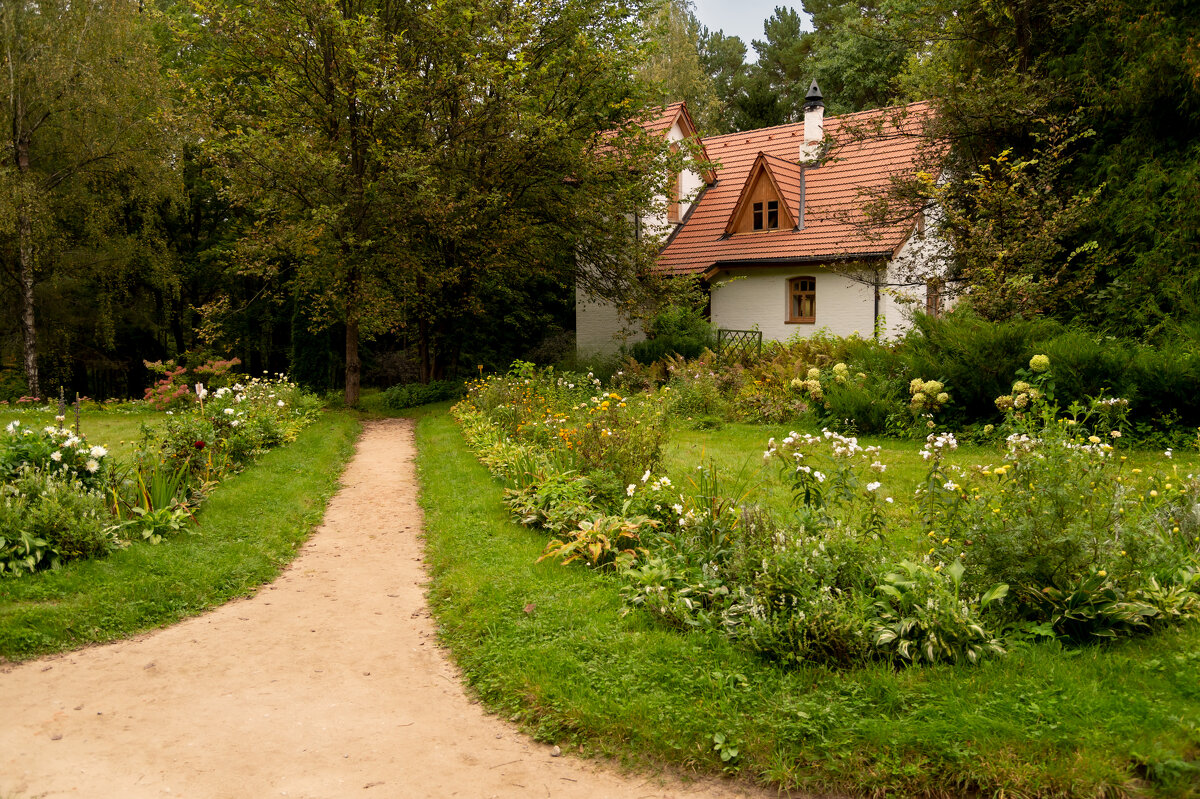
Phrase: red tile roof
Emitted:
{"points": [[660, 120], [867, 149]]}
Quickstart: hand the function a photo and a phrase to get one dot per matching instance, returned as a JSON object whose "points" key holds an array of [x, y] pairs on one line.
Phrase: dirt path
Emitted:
{"points": [[327, 683]]}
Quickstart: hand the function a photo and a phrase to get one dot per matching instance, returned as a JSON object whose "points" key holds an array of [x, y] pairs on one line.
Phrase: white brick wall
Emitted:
{"points": [[758, 297], [599, 329]]}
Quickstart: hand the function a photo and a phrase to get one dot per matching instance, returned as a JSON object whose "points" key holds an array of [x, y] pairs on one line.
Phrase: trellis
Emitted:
{"points": [[739, 345]]}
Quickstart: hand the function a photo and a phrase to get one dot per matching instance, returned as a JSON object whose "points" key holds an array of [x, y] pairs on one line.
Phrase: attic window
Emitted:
{"points": [[802, 300], [772, 216]]}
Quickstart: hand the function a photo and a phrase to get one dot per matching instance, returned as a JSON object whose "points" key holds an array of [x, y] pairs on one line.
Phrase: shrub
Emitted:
{"points": [[975, 356], [675, 331], [53, 450], [410, 395], [922, 616], [49, 518]]}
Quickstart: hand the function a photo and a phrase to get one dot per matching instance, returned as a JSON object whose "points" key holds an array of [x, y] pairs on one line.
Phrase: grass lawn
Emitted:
{"points": [[737, 451], [547, 646], [117, 430], [248, 530]]}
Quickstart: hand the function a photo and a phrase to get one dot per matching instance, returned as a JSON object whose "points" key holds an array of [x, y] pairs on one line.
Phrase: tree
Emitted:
{"points": [[675, 65], [411, 166], [784, 60], [301, 94], [1001, 73], [724, 59], [86, 158]]}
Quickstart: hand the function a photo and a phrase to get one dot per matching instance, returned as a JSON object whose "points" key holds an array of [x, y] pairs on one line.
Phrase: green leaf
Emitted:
{"points": [[995, 594]]}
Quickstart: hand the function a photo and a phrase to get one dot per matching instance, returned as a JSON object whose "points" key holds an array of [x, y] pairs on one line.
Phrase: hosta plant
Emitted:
{"points": [[921, 616], [605, 541]]}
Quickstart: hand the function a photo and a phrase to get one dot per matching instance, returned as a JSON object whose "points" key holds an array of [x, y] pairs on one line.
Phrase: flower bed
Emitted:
{"points": [[64, 499], [1059, 539]]}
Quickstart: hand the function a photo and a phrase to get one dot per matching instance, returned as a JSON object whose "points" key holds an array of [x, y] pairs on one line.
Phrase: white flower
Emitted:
{"points": [[234, 423], [228, 411], [280, 403], [666, 481], [98, 451], [12, 426], [56, 456], [1115, 434], [70, 442], [201, 391], [629, 489], [678, 509], [1168, 453], [820, 477], [646, 476], [873, 486], [888, 500], [92, 465]]}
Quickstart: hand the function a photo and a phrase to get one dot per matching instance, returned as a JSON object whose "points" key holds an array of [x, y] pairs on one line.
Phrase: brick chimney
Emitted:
{"points": [[814, 124]]}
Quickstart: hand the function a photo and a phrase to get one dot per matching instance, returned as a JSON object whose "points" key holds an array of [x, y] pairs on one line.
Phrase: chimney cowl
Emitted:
{"points": [[814, 99]]}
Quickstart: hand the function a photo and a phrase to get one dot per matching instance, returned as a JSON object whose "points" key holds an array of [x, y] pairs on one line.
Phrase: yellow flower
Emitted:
{"points": [[1039, 363], [1153, 493], [1102, 573]]}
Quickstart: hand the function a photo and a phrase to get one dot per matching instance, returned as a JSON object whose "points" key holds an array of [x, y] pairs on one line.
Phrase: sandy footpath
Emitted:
{"points": [[327, 683]]}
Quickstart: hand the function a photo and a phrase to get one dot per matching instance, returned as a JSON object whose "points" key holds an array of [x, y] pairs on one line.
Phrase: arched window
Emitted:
{"points": [[802, 300]]}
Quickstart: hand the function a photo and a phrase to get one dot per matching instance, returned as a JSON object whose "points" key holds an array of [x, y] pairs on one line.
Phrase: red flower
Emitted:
{"points": [[199, 445]]}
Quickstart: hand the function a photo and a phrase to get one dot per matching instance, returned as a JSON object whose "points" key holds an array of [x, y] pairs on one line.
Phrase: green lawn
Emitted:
{"points": [[118, 430], [248, 530], [547, 646], [737, 451]]}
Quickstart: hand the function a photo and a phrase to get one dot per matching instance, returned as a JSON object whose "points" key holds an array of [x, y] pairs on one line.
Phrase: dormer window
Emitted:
{"points": [[771, 221], [766, 203]]}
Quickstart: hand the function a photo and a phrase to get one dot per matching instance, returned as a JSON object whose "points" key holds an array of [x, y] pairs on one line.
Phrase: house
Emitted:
{"points": [[777, 230]]}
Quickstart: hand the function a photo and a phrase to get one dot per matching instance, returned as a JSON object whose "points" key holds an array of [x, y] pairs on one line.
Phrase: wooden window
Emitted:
{"points": [[802, 300], [675, 192], [933, 298], [673, 205], [772, 214], [758, 216]]}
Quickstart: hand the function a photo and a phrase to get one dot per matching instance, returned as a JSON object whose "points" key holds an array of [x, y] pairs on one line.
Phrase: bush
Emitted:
{"points": [[675, 331], [52, 450], [977, 357], [410, 395], [49, 518]]}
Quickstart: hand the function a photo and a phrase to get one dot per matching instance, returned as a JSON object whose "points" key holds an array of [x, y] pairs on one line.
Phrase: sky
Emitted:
{"points": [[741, 18]]}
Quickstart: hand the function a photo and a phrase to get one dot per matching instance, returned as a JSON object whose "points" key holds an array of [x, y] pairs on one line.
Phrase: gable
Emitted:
{"points": [[770, 180]]}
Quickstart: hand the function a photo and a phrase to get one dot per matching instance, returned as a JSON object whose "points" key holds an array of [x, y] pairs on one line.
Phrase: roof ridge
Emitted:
{"points": [[828, 119]]}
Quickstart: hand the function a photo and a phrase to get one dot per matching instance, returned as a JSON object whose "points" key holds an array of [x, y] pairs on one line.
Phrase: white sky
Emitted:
{"points": [[741, 18]]}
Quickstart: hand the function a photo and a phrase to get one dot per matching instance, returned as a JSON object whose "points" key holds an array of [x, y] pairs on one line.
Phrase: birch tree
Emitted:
{"points": [[84, 105]]}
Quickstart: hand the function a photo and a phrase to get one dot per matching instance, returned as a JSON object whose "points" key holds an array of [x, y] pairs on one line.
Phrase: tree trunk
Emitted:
{"points": [[28, 328], [353, 365], [423, 353], [25, 256]]}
